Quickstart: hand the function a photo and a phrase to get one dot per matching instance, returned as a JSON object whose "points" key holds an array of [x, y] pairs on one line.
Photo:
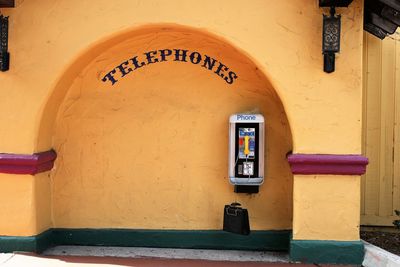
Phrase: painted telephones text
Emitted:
{"points": [[164, 55]]}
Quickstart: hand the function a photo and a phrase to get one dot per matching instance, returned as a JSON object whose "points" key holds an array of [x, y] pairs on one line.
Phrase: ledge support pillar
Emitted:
{"points": [[24, 200], [326, 208]]}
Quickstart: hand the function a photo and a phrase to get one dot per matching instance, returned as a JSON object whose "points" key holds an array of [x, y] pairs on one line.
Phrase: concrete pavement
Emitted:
{"points": [[32, 260], [170, 253], [87, 256]]}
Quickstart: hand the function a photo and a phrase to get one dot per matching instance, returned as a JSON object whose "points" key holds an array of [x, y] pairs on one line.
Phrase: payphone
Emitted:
{"points": [[246, 149]]}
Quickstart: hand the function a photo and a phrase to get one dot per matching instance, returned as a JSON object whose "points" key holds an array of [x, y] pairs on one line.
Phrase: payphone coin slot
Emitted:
{"points": [[240, 169]]}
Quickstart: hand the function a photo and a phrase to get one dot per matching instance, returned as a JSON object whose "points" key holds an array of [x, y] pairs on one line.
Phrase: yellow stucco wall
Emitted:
{"points": [[25, 204], [326, 207], [52, 42], [18, 212], [284, 37], [151, 150], [42, 202]]}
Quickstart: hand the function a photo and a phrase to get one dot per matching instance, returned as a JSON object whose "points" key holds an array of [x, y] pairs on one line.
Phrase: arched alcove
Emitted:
{"points": [[147, 148]]}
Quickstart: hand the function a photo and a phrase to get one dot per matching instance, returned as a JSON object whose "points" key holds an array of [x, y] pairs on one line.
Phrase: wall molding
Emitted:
{"points": [[27, 164], [327, 164]]}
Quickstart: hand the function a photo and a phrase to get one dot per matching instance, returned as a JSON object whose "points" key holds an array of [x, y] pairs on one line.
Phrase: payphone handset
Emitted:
{"points": [[246, 149]]}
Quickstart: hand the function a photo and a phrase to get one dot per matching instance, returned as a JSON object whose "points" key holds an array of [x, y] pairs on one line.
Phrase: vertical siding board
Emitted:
{"points": [[364, 117], [373, 125], [387, 124], [396, 167]]}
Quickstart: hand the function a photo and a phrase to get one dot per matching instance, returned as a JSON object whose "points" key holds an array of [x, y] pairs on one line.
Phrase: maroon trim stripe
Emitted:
{"points": [[327, 164], [27, 164]]}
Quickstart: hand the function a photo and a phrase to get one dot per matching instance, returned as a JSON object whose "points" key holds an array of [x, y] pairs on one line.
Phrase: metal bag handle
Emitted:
{"points": [[230, 213]]}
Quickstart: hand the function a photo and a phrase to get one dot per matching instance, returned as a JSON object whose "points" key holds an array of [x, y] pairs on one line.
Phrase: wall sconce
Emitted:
{"points": [[330, 39], [4, 55]]}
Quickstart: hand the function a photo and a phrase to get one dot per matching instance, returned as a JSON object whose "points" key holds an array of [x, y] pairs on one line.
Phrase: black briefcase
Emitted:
{"points": [[236, 219]]}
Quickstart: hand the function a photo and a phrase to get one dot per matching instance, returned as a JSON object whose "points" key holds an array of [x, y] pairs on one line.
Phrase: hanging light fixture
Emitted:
{"points": [[331, 32], [4, 55], [330, 39]]}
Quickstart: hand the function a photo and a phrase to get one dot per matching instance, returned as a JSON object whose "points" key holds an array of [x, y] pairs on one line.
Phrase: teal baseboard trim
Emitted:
{"points": [[200, 239], [195, 239], [44, 241], [327, 252], [36, 243]]}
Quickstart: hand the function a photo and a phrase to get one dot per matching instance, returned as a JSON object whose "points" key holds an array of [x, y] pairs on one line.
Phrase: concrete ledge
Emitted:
{"points": [[330, 252], [377, 257], [196, 239]]}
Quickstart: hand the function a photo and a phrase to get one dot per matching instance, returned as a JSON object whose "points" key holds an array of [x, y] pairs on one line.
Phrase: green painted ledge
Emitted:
{"points": [[201, 239], [327, 252]]}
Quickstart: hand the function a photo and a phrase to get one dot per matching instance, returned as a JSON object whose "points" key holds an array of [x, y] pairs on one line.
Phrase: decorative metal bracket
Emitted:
{"points": [[330, 39], [335, 3], [4, 55]]}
